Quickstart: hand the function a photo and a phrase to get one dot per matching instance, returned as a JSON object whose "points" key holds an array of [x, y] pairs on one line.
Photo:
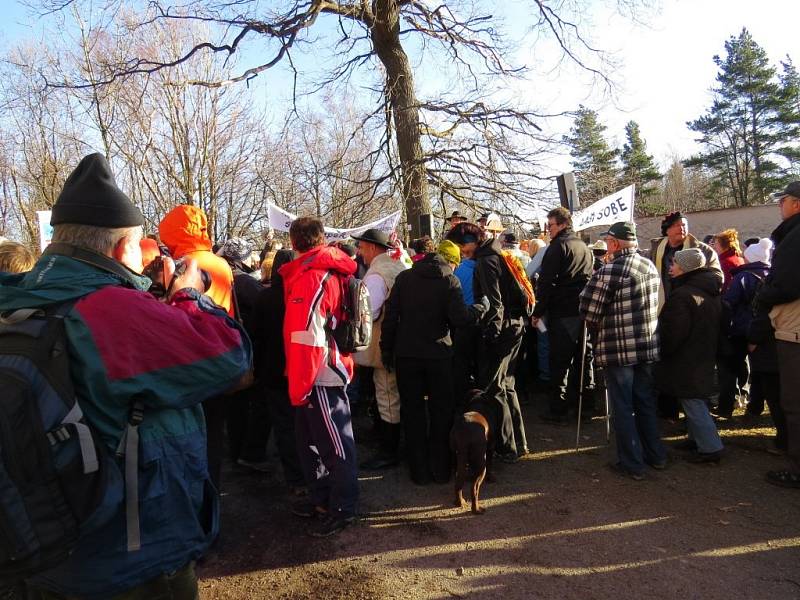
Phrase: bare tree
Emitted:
{"points": [[465, 37]]}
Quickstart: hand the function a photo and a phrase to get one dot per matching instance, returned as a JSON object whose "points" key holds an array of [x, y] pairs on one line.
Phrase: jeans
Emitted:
{"points": [[701, 426], [632, 395], [543, 355]]}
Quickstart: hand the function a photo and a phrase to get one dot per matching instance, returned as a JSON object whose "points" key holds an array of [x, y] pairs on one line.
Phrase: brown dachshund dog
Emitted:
{"points": [[472, 441]]}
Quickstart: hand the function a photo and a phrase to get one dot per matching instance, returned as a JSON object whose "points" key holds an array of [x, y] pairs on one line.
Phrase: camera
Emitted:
{"points": [[162, 281]]}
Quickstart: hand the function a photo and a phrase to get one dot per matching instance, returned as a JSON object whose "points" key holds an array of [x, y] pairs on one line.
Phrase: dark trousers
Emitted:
{"points": [[497, 368], [733, 372], [566, 335], [180, 585], [248, 424], [465, 362], [214, 411], [767, 387], [327, 450], [789, 368], [281, 415], [426, 425]]}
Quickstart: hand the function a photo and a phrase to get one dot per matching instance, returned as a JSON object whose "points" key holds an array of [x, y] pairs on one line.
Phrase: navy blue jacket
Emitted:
{"points": [[738, 298]]}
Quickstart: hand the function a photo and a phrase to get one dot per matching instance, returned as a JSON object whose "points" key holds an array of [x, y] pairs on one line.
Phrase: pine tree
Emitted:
{"points": [[741, 130], [594, 161], [638, 167], [789, 119]]}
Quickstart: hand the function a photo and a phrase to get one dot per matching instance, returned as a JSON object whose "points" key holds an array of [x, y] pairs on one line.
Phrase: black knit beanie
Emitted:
{"points": [[670, 220], [91, 197]]}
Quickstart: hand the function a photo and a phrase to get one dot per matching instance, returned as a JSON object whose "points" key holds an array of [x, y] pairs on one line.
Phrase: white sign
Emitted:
{"points": [[281, 220], [45, 229], [609, 210]]}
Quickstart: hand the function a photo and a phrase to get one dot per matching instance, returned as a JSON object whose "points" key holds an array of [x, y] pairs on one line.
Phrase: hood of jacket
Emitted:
{"points": [[324, 258], [432, 266], [759, 268], [705, 279], [185, 229], [489, 247], [55, 278]]}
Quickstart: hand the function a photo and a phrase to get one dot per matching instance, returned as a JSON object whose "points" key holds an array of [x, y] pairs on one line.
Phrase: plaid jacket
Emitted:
{"points": [[620, 303]]}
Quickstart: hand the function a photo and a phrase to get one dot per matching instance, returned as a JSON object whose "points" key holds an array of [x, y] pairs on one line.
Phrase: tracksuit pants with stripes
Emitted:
{"points": [[327, 450]]}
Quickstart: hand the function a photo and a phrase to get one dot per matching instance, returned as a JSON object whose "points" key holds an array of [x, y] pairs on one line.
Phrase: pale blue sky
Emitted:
{"points": [[665, 72]]}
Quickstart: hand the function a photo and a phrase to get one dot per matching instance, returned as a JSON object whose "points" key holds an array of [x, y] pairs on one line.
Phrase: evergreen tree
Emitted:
{"points": [[638, 167], [594, 161], [741, 130], [789, 118]]}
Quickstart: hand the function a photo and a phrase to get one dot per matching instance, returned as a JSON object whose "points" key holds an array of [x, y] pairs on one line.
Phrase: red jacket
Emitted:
{"points": [[728, 260], [312, 357]]}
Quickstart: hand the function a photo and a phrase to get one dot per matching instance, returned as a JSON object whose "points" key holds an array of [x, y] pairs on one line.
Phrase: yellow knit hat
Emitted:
{"points": [[450, 252]]}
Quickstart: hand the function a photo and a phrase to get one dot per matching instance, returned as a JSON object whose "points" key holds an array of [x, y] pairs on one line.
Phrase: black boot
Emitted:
{"points": [[387, 456]]}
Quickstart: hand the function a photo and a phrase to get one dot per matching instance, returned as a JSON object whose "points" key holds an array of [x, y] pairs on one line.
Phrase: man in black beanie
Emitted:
{"points": [[676, 236], [130, 356]]}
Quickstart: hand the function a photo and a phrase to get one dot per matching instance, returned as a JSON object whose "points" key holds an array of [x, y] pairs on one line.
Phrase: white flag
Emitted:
{"points": [[609, 210], [281, 220]]}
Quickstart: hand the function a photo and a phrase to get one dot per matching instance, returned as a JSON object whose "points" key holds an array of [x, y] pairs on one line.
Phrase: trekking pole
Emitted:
{"points": [[580, 384]]}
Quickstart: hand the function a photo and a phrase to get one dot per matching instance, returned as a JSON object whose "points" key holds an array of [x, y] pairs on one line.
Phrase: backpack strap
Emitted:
{"points": [[129, 449]]}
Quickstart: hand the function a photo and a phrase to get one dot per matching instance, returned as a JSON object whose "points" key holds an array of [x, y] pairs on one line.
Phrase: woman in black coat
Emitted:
{"points": [[689, 329]]}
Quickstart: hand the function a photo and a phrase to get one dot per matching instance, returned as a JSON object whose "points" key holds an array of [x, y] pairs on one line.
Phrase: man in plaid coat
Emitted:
{"points": [[620, 303]]}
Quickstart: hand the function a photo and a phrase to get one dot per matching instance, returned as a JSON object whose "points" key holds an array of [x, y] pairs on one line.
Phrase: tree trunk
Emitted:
{"points": [[405, 114]]}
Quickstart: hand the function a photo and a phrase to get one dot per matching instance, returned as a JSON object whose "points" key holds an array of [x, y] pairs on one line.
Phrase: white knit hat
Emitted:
{"points": [[760, 252]]}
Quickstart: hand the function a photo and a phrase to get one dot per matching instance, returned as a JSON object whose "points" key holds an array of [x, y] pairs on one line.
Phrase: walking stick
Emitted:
{"points": [[608, 418], [580, 384]]}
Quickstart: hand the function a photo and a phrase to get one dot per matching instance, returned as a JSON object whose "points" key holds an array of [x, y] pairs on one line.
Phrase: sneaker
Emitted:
{"points": [[509, 457], [705, 457], [620, 470], [331, 525], [261, 466], [308, 510]]}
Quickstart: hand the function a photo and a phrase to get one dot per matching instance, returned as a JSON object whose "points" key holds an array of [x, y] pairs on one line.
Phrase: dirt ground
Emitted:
{"points": [[559, 524]]}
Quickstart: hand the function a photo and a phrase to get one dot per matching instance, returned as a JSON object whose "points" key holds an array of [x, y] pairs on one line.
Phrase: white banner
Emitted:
{"points": [[609, 210], [45, 229], [281, 220]]}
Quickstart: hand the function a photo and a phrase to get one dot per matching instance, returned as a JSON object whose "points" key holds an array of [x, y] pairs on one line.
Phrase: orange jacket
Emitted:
{"points": [[184, 231]]}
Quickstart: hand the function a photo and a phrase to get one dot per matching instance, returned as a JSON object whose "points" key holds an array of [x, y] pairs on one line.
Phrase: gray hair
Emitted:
{"points": [[98, 239], [627, 244]]}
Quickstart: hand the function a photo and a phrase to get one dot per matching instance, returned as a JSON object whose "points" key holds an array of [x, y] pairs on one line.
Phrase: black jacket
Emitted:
{"points": [[245, 291], [269, 355], [424, 306], [689, 330], [493, 281], [782, 285], [566, 268]]}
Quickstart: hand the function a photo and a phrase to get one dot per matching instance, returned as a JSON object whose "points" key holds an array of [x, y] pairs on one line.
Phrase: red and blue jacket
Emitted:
{"points": [[125, 344], [313, 293]]}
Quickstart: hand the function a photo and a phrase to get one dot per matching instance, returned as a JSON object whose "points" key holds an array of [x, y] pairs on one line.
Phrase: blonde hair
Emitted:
{"points": [[15, 258], [266, 266], [729, 239]]}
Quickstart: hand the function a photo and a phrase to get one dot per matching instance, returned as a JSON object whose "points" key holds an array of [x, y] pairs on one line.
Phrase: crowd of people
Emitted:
{"points": [[183, 353]]}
